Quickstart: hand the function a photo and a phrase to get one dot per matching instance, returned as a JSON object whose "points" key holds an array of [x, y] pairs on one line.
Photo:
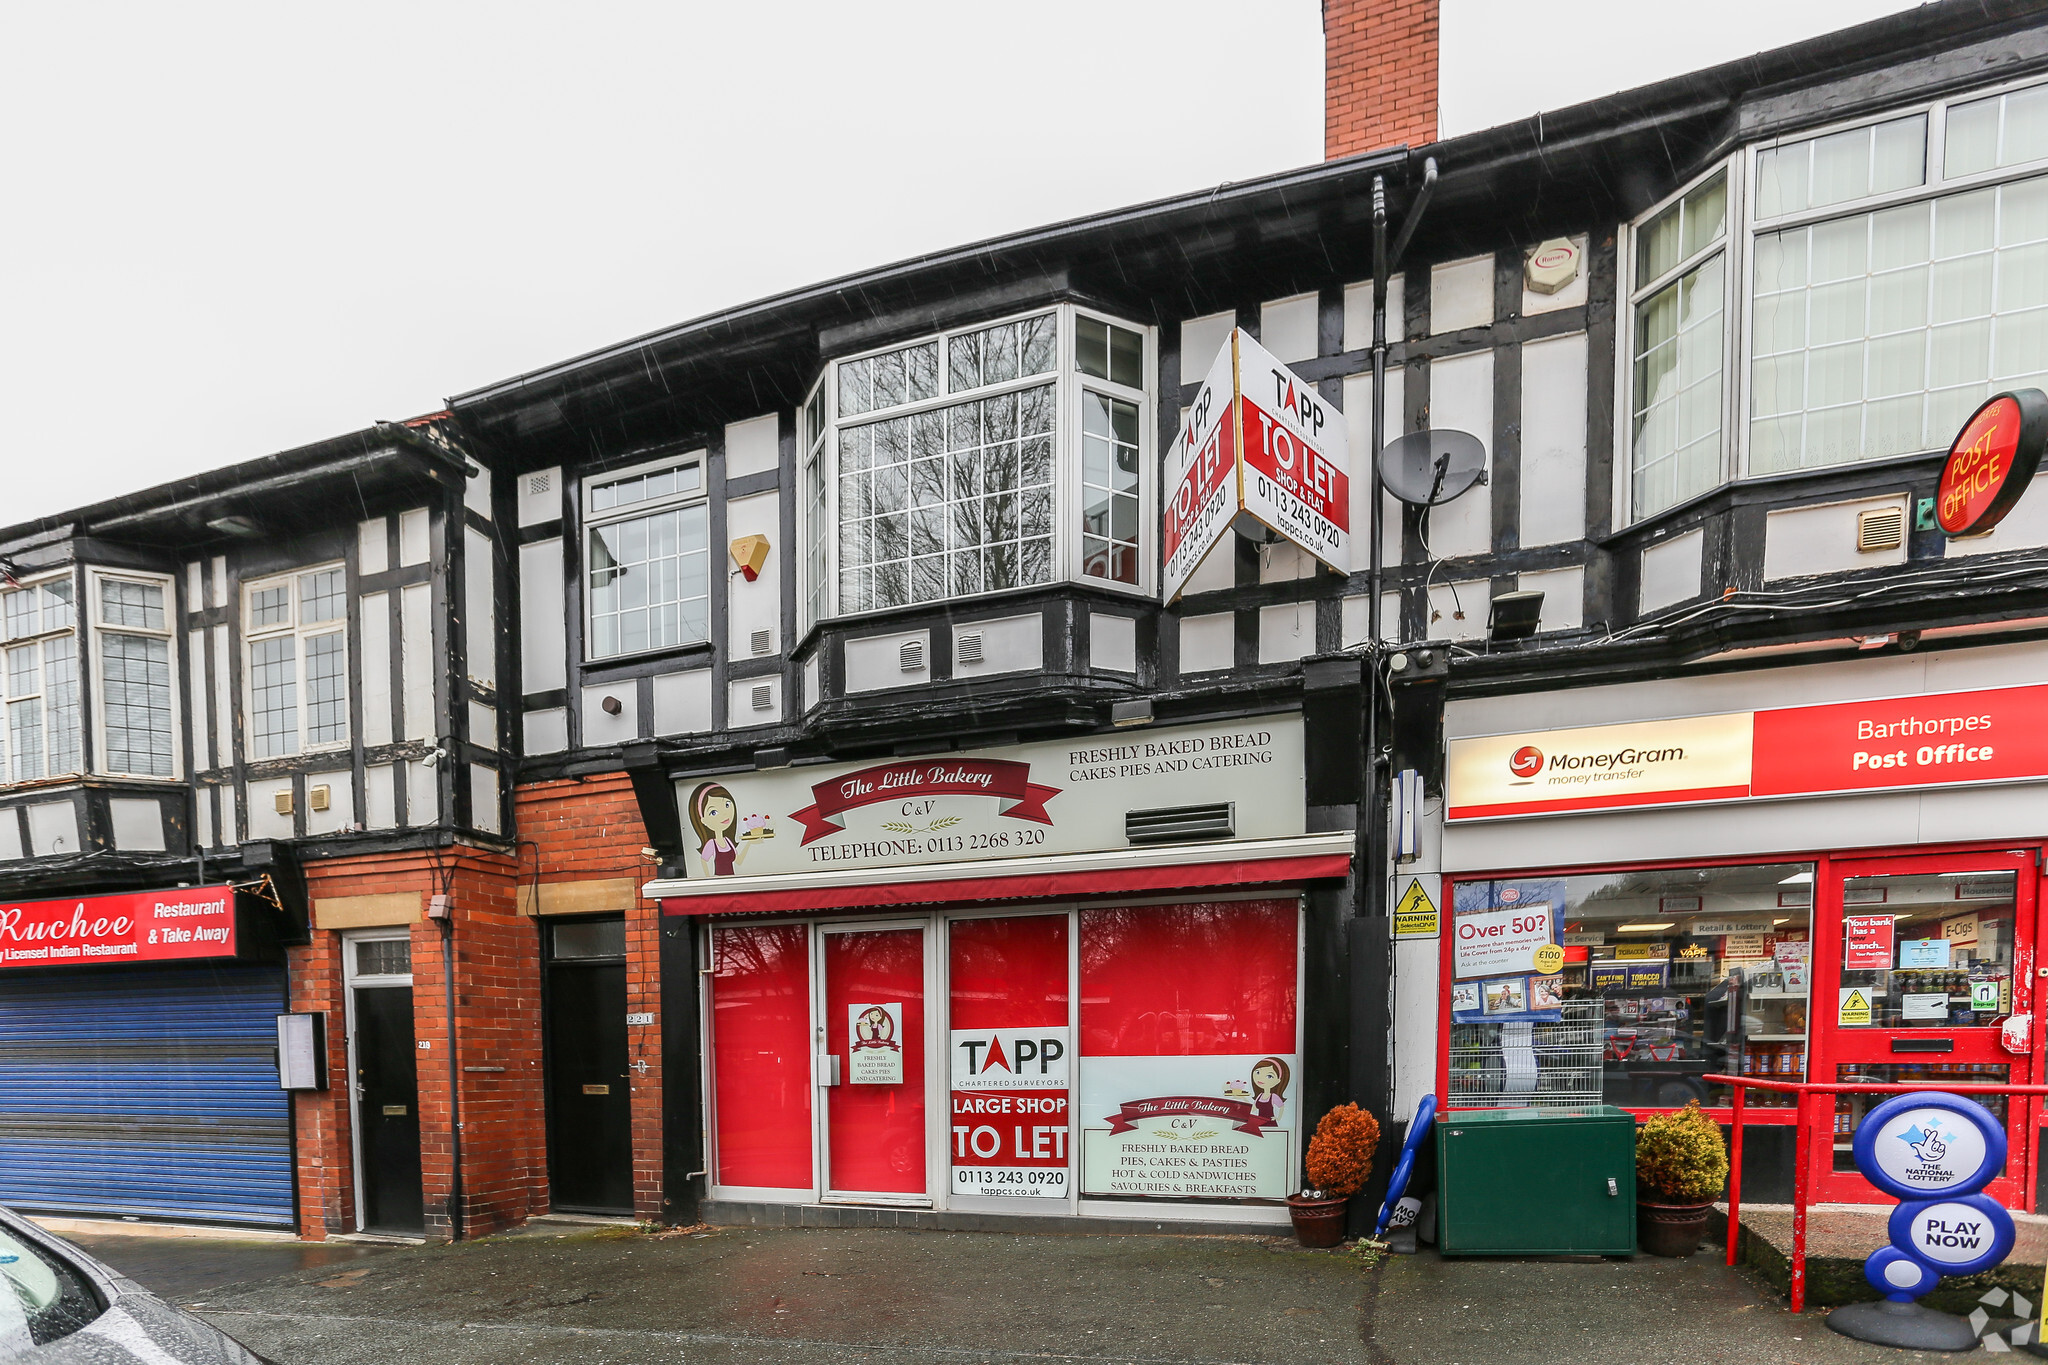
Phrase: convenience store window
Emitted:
{"points": [[1662, 977]]}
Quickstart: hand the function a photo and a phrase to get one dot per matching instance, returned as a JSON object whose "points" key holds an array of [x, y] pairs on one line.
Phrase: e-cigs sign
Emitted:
{"points": [[140, 926]]}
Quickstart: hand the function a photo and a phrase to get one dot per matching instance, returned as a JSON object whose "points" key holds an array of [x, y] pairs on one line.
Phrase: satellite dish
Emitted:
{"points": [[1430, 468]]}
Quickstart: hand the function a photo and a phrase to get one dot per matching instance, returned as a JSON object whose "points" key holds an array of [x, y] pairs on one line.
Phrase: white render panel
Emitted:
{"points": [[874, 662], [1208, 643], [1287, 631], [756, 605], [52, 828], [223, 691], [138, 824], [1822, 539], [380, 796], [601, 726], [375, 615], [1358, 314], [479, 609], [341, 803], [476, 492], [1200, 339], [195, 585], [1460, 294], [483, 725], [1358, 437], [752, 447], [422, 795], [10, 835], [483, 798], [416, 659], [1287, 328], [202, 818], [1572, 295], [1671, 570], [1009, 644], [1554, 440], [1461, 398], [373, 545], [230, 818], [1112, 642], [196, 698], [547, 731], [2024, 528], [1282, 561], [1458, 610], [219, 573], [264, 821], [682, 703], [814, 682], [543, 614], [1564, 596], [1356, 625], [1218, 570], [540, 496], [740, 712], [415, 544]]}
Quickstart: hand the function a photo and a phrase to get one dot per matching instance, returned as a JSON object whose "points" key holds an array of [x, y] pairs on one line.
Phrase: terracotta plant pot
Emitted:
{"points": [[1671, 1229], [1317, 1222]]}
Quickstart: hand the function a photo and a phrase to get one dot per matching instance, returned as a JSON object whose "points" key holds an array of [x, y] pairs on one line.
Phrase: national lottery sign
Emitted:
{"points": [[1258, 444]]}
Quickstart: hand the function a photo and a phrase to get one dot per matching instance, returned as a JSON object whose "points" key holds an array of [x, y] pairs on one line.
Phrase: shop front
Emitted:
{"points": [[137, 1057], [1067, 978], [1838, 883]]}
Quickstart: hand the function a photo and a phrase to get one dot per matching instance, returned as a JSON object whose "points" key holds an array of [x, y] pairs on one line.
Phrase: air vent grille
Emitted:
{"points": [[537, 484], [1881, 528], [1171, 824], [910, 656], [760, 642], [764, 697], [967, 647]]}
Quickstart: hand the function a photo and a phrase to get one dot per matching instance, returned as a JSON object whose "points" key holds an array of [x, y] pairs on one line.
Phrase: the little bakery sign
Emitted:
{"points": [[142, 926], [1062, 796]]}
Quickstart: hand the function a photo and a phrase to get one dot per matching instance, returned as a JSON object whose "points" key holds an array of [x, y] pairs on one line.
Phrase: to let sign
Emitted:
{"points": [[141, 926], [1259, 447]]}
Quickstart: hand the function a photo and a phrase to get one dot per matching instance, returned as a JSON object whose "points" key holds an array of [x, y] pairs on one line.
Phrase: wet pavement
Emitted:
{"points": [[767, 1296]]}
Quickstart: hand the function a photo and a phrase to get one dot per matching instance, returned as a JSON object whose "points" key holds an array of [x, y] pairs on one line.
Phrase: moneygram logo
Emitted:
{"points": [[1526, 762]]}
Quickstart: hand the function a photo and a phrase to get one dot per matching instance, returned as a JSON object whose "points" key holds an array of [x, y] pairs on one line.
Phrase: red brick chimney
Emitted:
{"points": [[1379, 75]]}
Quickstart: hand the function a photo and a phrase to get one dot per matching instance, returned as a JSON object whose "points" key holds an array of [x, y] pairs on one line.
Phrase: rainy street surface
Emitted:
{"points": [[613, 1297]]}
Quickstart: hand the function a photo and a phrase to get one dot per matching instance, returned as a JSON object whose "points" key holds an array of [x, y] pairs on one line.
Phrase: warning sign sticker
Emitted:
{"points": [[1415, 914], [1854, 1010]]}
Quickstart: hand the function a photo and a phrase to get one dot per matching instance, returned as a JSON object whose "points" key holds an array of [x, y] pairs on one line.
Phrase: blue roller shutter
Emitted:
{"points": [[146, 1093]]}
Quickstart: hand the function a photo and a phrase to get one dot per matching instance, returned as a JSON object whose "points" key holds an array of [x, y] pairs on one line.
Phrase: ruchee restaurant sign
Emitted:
{"points": [[143, 926], [1947, 739]]}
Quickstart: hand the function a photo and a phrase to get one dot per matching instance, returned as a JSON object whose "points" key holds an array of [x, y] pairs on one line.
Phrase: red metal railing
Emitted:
{"points": [[1802, 1139]]}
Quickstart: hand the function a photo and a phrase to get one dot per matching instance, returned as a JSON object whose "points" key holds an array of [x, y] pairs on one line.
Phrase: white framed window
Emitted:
{"points": [[1677, 315], [647, 558], [295, 635], [134, 659], [39, 681], [991, 458]]}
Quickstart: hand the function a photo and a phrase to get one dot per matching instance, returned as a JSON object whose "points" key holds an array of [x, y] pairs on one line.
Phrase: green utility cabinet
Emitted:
{"points": [[1521, 1182]]}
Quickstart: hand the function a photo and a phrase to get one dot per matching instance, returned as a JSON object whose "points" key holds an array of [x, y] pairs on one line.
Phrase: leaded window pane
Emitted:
{"points": [[123, 603], [274, 697], [60, 704], [321, 597], [1676, 403], [138, 704], [1109, 488], [25, 738], [650, 582], [326, 702], [270, 606]]}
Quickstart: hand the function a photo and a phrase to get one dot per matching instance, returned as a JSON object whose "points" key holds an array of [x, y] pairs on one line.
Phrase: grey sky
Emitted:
{"points": [[235, 228]]}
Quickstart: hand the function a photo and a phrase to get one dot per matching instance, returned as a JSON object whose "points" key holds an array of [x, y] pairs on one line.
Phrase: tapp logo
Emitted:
{"points": [[1526, 762]]}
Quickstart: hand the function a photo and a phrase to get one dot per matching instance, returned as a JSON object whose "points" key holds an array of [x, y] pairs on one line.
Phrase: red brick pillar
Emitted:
{"points": [[1379, 75]]}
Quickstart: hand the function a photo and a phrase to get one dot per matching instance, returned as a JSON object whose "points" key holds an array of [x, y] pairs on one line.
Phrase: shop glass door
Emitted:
{"points": [[1926, 959], [873, 1063]]}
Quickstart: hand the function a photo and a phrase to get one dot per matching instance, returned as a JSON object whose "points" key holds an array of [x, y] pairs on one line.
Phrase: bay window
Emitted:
{"points": [[647, 558], [295, 628], [39, 682], [997, 457], [1889, 276], [132, 632]]}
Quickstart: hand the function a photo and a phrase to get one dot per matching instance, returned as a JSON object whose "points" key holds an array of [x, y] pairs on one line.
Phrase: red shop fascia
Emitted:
{"points": [[1063, 978]]}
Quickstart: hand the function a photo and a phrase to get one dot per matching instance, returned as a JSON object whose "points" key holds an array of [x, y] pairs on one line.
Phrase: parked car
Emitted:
{"points": [[59, 1306]]}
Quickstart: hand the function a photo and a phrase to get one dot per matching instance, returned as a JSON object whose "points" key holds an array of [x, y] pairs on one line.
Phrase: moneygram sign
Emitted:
{"points": [[144, 926], [1947, 739], [1259, 447]]}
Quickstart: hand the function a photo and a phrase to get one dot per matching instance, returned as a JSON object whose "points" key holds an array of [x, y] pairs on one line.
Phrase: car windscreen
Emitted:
{"points": [[41, 1298]]}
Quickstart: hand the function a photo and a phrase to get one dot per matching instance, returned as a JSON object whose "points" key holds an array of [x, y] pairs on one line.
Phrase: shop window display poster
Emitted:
{"points": [[1203, 1127], [1499, 927]]}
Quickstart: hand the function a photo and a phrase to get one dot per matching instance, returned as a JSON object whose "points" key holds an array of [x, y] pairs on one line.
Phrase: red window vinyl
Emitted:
{"points": [[1212, 978], [761, 1055], [1009, 972], [876, 1131]]}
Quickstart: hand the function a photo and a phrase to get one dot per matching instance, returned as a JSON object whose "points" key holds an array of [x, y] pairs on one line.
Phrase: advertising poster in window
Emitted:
{"points": [[1009, 1126], [1506, 949], [1220, 1127]]}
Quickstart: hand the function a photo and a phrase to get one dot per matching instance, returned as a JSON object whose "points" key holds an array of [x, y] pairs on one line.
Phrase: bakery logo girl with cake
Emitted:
{"points": [[720, 846]]}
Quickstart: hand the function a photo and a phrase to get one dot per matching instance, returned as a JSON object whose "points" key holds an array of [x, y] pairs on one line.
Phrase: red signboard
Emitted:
{"points": [[1957, 737], [1009, 782], [1992, 462], [142, 926], [1868, 943]]}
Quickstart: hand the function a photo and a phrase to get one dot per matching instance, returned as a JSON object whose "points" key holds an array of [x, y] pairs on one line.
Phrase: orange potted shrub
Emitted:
{"points": [[1339, 1160]]}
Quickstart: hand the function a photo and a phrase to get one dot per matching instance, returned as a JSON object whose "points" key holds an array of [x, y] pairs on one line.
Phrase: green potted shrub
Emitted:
{"points": [[1681, 1169], [1339, 1160]]}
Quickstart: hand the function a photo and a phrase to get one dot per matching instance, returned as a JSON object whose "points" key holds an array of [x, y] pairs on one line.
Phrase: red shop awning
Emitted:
{"points": [[1253, 862]]}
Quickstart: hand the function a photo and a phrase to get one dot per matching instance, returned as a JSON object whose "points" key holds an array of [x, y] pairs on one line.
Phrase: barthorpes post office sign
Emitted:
{"points": [[1945, 739], [1062, 796], [144, 926]]}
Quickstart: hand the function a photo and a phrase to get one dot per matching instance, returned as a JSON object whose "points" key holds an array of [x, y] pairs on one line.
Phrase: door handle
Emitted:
{"points": [[828, 1069]]}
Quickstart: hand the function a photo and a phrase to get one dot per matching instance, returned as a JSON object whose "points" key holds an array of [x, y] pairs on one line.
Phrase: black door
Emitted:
{"points": [[388, 1103], [590, 1145]]}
